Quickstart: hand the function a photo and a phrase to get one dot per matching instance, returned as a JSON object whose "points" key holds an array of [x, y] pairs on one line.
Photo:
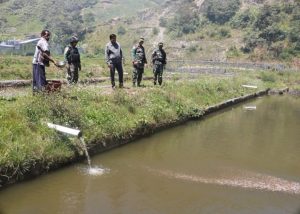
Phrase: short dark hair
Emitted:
{"points": [[112, 36], [44, 32]]}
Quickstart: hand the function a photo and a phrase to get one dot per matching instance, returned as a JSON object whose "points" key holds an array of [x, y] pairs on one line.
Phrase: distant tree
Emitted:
{"points": [[89, 18], [184, 22], [294, 33], [243, 19], [272, 34], [220, 11], [155, 31], [121, 30], [267, 16]]}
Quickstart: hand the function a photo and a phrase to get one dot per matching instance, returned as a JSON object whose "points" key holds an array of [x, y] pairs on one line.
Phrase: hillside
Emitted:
{"points": [[20, 19], [256, 30]]}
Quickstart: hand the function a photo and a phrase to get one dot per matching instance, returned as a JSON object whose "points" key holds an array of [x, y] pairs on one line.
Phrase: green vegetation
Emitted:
{"points": [[264, 31], [26, 141], [275, 29], [20, 67], [184, 22], [219, 11], [258, 32], [63, 17], [270, 30]]}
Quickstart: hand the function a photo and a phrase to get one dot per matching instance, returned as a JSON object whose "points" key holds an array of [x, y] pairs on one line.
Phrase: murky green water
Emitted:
{"points": [[235, 162]]}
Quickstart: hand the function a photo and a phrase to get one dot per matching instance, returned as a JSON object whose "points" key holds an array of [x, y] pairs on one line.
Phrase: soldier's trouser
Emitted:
{"points": [[137, 75], [38, 77], [72, 70], [158, 70], [119, 68]]}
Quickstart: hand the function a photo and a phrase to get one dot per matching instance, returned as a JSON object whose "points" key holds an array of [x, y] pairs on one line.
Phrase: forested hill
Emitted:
{"points": [[202, 29], [19, 18], [255, 29]]}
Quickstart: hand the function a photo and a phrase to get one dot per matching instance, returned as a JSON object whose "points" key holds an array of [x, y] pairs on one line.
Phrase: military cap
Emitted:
{"points": [[74, 39]]}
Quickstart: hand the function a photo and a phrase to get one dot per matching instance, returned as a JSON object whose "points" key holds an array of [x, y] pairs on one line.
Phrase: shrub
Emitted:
{"points": [[243, 19], [163, 22], [155, 31], [219, 11], [272, 34], [184, 22], [121, 30], [193, 48]]}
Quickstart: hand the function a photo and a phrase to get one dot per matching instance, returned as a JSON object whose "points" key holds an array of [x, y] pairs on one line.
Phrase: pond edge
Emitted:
{"points": [[107, 144]]}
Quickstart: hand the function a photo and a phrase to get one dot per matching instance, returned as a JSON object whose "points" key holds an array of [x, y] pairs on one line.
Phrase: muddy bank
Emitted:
{"points": [[103, 145], [294, 92]]}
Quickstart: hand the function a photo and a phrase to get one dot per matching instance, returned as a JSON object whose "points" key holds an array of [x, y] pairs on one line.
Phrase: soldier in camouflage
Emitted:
{"points": [[138, 60], [72, 56], [159, 60]]}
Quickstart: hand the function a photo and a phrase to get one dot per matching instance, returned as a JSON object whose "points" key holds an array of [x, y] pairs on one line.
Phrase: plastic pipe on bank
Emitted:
{"points": [[249, 86], [66, 130]]}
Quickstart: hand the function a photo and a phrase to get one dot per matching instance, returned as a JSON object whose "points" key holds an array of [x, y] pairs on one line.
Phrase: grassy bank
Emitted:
{"points": [[25, 140]]}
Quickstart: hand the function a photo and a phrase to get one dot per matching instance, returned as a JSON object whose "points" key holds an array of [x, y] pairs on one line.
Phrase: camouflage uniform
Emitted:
{"points": [[72, 56], [139, 61], [159, 61]]}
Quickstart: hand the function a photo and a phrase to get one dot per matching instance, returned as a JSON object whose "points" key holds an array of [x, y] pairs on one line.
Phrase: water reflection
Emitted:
{"points": [[233, 162]]}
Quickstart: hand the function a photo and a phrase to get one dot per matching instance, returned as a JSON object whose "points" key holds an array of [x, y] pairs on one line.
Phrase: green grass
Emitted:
{"points": [[25, 139], [20, 67]]}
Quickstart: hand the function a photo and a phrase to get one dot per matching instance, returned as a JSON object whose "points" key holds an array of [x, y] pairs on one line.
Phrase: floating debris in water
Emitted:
{"points": [[250, 107]]}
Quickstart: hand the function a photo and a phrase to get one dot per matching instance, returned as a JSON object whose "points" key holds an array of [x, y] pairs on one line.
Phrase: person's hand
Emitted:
{"points": [[109, 66], [79, 67], [55, 63]]}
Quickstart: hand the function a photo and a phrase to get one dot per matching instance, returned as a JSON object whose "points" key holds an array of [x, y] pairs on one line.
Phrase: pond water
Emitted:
{"points": [[243, 160]]}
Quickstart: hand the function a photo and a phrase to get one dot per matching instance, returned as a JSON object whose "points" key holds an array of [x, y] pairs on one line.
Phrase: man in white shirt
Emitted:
{"points": [[41, 59]]}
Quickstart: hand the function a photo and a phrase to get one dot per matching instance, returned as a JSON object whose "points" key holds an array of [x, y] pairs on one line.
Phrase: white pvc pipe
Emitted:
{"points": [[249, 86], [65, 130]]}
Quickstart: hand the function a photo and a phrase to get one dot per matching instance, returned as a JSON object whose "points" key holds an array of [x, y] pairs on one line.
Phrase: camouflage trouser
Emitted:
{"points": [[137, 75], [158, 70], [72, 73]]}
